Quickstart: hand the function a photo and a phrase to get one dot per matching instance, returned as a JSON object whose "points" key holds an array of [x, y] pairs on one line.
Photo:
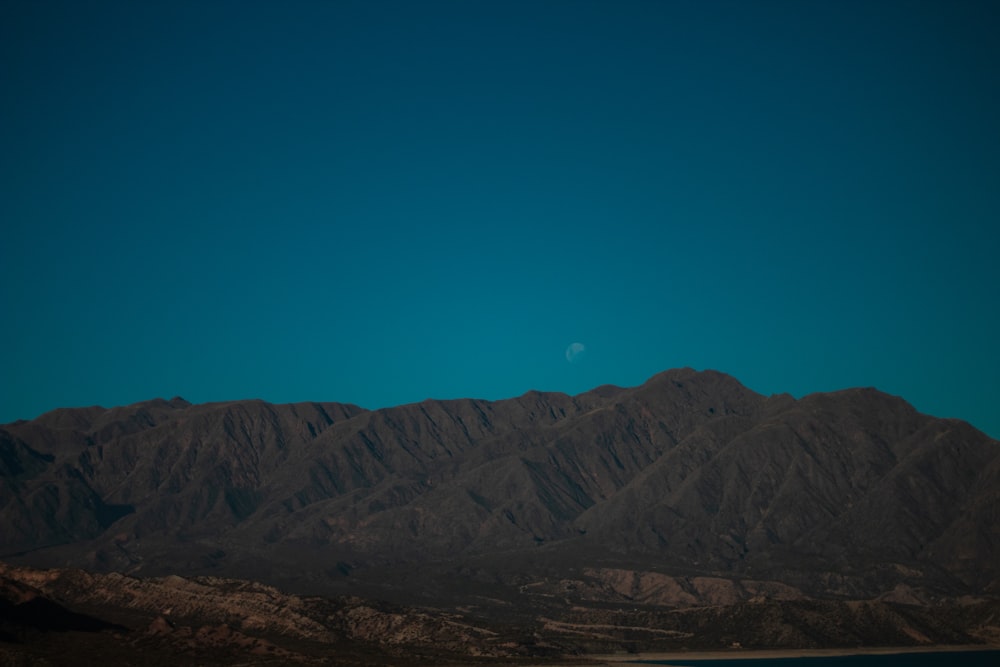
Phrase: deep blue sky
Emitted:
{"points": [[380, 202]]}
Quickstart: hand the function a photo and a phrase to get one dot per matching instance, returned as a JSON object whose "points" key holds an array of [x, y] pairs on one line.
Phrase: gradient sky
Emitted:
{"points": [[379, 202]]}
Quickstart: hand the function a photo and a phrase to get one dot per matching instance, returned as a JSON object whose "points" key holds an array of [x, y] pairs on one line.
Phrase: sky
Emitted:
{"points": [[381, 202]]}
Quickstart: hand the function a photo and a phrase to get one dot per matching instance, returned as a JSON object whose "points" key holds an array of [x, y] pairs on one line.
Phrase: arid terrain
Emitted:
{"points": [[686, 513]]}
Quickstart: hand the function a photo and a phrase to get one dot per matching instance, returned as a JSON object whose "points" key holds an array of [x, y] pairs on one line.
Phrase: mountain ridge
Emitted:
{"points": [[833, 494]]}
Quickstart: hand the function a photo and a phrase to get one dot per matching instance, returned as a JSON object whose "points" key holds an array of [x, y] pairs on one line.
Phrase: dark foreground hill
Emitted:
{"points": [[687, 492]]}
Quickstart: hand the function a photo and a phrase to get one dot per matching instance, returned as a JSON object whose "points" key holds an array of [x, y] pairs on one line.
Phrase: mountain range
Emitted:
{"points": [[689, 492]]}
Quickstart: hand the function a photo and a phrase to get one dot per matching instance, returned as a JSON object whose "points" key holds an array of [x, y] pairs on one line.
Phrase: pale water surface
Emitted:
{"points": [[943, 659]]}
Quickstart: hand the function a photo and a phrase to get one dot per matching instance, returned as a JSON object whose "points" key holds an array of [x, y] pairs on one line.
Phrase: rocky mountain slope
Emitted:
{"points": [[687, 491]]}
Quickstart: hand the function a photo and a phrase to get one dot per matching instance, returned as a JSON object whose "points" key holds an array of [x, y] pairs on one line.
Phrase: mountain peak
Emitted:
{"points": [[690, 472]]}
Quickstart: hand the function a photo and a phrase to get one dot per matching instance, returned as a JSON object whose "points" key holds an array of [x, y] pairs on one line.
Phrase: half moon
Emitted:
{"points": [[574, 351]]}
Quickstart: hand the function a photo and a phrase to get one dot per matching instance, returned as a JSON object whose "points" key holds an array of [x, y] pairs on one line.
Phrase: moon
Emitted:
{"points": [[574, 352]]}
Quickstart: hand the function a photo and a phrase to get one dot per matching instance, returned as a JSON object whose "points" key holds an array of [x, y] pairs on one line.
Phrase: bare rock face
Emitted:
{"points": [[685, 492]]}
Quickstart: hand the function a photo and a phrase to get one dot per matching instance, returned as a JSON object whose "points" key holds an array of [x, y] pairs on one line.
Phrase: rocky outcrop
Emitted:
{"points": [[72, 617], [223, 621]]}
